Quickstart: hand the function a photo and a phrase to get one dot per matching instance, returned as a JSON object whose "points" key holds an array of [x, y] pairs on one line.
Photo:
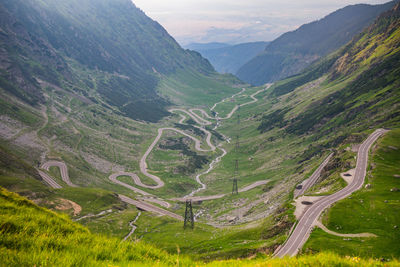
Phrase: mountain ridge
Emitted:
{"points": [[293, 51], [229, 58], [60, 41]]}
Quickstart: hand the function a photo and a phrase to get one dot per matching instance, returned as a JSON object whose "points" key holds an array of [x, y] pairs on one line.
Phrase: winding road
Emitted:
{"points": [[306, 223], [138, 203], [63, 170], [201, 121], [159, 183], [204, 198], [313, 178]]}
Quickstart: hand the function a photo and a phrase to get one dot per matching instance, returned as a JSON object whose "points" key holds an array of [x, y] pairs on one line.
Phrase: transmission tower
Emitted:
{"points": [[237, 146], [189, 218], [238, 115], [235, 178]]}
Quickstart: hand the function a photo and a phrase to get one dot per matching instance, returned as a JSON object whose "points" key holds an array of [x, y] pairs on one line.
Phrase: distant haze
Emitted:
{"points": [[236, 21]]}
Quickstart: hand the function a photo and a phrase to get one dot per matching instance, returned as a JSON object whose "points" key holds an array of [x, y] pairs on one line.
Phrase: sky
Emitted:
{"points": [[237, 21]]}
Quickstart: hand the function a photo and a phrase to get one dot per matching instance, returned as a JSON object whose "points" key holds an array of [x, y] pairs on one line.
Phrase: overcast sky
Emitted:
{"points": [[236, 21]]}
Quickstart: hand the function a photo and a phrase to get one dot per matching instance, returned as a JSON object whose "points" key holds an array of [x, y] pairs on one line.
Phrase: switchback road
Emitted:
{"points": [[303, 229], [144, 168], [63, 170]]}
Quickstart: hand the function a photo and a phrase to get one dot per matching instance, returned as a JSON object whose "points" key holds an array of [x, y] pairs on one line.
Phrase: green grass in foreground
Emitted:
{"points": [[33, 236], [375, 210]]}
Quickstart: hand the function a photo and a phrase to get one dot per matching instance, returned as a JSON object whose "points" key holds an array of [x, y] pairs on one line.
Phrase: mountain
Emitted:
{"points": [[229, 58], [205, 46], [58, 41], [293, 51], [331, 107], [72, 151], [371, 65]]}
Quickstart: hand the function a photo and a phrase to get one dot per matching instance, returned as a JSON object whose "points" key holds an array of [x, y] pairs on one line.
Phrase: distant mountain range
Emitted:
{"points": [[294, 51], [228, 58], [205, 46]]}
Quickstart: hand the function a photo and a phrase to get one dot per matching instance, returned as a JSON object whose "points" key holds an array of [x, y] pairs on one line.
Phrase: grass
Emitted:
{"points": [[188, 88], [115, 223], [275, 155], [373, 210], [33, 236]]}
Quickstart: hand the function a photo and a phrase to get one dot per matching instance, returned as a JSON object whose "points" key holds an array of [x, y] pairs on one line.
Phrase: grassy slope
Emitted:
{"points": [[274, 155], [34, 236], [189, 88], [31, 235], [123, 146], [374, 210]]}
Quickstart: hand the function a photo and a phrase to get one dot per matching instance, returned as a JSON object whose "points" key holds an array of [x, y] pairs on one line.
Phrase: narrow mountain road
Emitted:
{"points": [[101, 213], [204, 198], [148, 197], [143, 164], [63, 170], [113, 177], [156, 200], [313, 178], [194, 116], [201, 121], [141, 204], [50, 181], [230, 114], [303, 229], [226, 99], [148, 207]]}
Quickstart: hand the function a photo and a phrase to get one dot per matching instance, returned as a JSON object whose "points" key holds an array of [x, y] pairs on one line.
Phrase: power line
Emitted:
{"points": [[189, 218]]}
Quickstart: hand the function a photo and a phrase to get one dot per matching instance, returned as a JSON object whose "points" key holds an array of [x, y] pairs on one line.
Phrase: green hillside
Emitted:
{"points": [[91, 89], [293, 51], [364, 74], [31, 236]]}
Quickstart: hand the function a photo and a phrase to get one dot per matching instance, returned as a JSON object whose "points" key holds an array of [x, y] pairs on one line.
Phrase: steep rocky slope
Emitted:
{"points": [[75, 44]]}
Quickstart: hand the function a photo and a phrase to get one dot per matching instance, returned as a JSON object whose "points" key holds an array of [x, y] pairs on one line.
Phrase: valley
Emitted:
{"points": [[108, 128]]}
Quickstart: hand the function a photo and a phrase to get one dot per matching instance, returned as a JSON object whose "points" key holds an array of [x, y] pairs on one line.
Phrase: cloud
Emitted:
{"points": [[237, 21]]}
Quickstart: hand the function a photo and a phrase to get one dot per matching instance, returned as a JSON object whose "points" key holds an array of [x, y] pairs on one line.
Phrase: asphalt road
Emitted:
{"points": [[313, 178], [63, 170], [143, 165], [140, 204], [148, 207], [204, 198], [304, 227], [49, 180]]}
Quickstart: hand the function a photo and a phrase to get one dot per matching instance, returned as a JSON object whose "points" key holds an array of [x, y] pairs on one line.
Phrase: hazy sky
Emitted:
{"points": [[236, 21]]}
